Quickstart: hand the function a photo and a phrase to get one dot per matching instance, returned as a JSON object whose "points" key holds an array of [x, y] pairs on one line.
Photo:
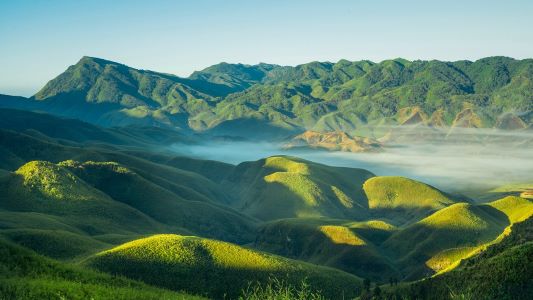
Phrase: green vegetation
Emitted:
{"points": [[110, 199], [57, 244], [517, 209], [165, 206], [502, 271], [136, 195], [276, 289], [53, 182], [344, 96], [346, 245], [441, 240], [282, 186], [406, 197], [214, 268], [26, 275]]}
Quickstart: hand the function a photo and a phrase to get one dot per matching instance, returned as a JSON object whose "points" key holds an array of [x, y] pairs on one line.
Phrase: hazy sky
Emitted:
{"points": [[39, 39]]}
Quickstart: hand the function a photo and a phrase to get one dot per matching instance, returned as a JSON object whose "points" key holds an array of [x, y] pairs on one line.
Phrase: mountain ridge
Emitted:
{"points": [[354, 97]]}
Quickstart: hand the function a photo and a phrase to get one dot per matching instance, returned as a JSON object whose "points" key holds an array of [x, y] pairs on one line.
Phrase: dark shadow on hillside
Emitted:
{"points": [[309, 243], [412, 247], [252, 129]]}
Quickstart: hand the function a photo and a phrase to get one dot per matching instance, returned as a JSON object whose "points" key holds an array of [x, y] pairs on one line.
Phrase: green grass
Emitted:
{"points": [[186, 194], [350, 246], [46, 188], [162, 204], [214, 268], [283, 186], [502, 271], [55, 243], [389, 193], [50, 205], [517, 209], [53, 182], [69, 199], [448, 258], [440, 241], [26, 275], [459, 225], [276, 289]]}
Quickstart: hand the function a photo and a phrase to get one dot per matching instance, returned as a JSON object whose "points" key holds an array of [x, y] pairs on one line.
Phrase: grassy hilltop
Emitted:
{"points": [[213, 268], [26, 275], [282, 186]]}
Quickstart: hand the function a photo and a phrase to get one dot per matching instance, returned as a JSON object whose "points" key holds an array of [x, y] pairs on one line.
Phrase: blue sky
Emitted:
{"points": [[40, 39]]}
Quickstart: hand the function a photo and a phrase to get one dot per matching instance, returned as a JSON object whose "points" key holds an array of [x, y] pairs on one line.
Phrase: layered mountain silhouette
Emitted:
{"points": [[344, 96]]}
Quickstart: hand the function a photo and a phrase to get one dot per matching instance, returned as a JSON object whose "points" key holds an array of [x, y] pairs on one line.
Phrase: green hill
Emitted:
{"points": [[165, 194], [71, 194], [47, 188], [114, 94], [26, 275], [217, 269], [55, 243], [47, 208], [161, 204], [453, 233], [503, 271], [402, 198], [349, 246], [51, 127], [114, 199], [282, 186], [353, 97], [235, 77]]}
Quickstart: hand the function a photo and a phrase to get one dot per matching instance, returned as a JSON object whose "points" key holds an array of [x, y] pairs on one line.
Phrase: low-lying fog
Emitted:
{"points": [[467, 162]]}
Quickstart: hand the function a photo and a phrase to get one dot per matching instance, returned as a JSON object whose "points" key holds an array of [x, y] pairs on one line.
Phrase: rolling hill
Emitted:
{"points": [[402, 198], [116, 199], [442, 239], [502, 271], [91, 195], [283, 187], [26, 275], [216, 269], [349, 246]]}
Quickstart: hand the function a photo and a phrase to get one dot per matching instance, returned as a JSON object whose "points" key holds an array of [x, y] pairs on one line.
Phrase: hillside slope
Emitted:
{"points": [[360, 98], [349, 246], [402, 199], [503, 271], [25, 275], [442, 239], [214, 268], [283, 186]]}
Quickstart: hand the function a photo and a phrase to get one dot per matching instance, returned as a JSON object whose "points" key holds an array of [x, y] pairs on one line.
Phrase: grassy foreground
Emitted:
{"points": [[26, 275]]}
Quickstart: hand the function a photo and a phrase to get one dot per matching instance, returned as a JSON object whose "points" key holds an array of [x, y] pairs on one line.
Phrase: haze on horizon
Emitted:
{"points": [[40, 39]]}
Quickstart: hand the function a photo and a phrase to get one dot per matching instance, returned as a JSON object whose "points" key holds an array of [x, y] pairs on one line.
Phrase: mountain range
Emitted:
{"points": [[270, 101]]}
